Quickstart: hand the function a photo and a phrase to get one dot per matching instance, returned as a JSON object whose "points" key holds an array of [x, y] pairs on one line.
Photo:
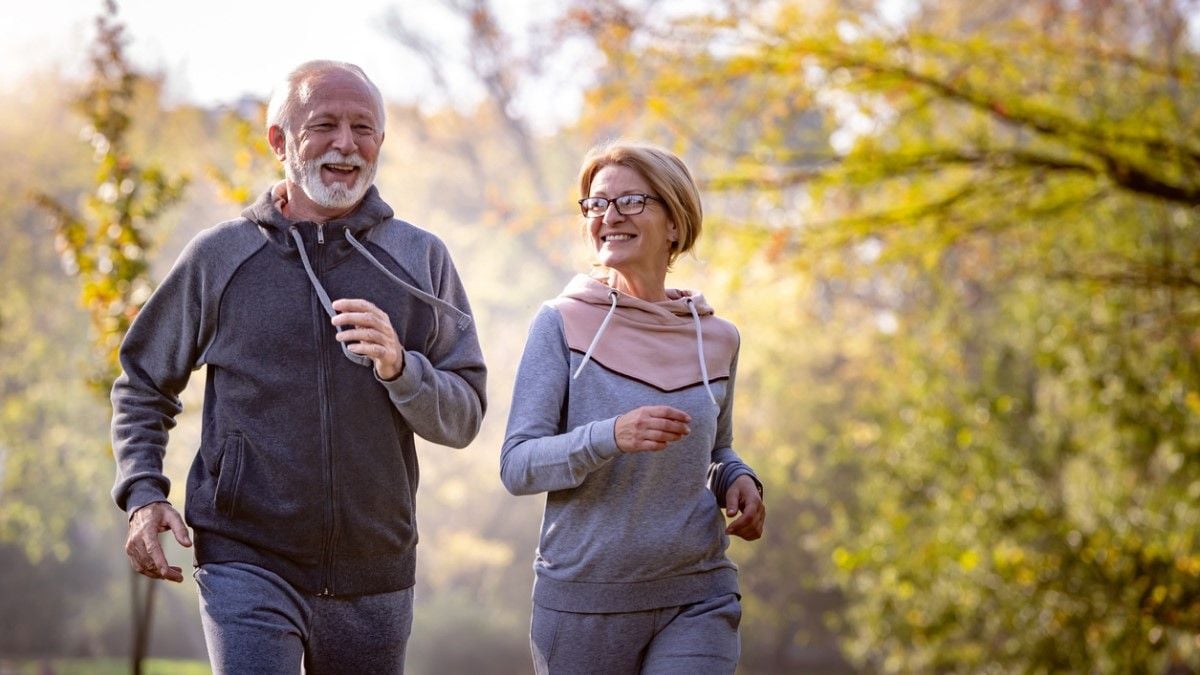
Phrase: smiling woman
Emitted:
{"points": [[654, 218], [622, 413], [635, 242]]}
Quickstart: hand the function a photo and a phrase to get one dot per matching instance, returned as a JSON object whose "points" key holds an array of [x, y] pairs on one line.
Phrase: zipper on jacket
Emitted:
{"points": [[323, 367]]}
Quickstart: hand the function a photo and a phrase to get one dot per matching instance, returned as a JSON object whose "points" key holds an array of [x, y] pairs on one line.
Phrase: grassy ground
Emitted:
{"points": [[101, 667]]}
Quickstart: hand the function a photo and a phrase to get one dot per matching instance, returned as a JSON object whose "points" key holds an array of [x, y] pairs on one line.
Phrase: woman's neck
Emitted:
{"points": [[650, 289]]}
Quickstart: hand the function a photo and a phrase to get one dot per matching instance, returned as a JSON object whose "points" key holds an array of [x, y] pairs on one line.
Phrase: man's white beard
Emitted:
{"points": [[307, 174]]}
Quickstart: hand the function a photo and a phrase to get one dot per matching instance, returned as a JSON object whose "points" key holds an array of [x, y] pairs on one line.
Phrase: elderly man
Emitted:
{"points": [[332, 332]]}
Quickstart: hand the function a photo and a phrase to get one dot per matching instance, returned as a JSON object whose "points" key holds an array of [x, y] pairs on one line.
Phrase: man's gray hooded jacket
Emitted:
{"points": [[306, 464]]}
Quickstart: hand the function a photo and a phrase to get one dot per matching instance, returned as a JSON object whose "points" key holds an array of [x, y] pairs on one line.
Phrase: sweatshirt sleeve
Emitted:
{"points": [[442, 392], [726, 465], [157, 357], [538, 455]]}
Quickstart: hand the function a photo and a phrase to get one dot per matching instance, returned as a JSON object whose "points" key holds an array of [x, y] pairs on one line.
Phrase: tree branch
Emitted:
{"points": [[1120, 170]]}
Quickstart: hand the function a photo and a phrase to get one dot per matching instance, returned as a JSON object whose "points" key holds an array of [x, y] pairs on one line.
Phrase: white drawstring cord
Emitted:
{"points": [[700, 349], [612, 295], [324, 298]]}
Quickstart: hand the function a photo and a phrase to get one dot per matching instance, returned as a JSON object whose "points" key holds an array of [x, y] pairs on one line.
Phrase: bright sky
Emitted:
{"points": [[217, 50]]}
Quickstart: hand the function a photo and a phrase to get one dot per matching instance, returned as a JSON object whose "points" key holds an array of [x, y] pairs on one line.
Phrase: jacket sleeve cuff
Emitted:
{"points": [[722, 475], [408, 383], [603, 438], [141, 493], [129, 516]]}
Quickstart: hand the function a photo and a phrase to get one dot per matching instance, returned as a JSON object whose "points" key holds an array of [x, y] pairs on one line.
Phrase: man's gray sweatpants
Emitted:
{"points": [[698, 638], [255, 622]]}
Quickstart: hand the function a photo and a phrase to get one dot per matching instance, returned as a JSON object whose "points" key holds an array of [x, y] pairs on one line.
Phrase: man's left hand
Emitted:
{"points": [[743, 496], [370, 334]]}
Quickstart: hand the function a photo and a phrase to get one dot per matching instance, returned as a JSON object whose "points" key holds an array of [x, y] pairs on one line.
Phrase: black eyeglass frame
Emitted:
{"points": [[616, 201]]}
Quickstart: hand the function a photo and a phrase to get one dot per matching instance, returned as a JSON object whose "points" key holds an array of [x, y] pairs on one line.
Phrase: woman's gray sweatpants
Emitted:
{"points": [[255, 622], [699, 638]]}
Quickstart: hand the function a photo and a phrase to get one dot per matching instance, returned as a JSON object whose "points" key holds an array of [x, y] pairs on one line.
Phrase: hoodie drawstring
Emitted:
{"points": [[612, 296], [433, 301], [325, 301], [436, 303], [700, 349]]}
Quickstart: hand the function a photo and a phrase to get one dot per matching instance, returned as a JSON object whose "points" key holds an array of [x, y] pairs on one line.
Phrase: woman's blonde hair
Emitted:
{"points": [[669, 179]]}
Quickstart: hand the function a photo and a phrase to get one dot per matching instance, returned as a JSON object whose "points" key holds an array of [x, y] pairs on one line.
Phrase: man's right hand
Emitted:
{"points": [[142, 546]]}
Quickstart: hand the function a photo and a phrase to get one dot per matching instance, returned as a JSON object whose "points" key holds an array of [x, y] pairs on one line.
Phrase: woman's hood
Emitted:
{"points": [[657, 343]]}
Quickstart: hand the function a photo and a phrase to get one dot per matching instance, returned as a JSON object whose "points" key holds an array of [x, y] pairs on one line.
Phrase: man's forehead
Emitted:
{"points": [[335, 88]]}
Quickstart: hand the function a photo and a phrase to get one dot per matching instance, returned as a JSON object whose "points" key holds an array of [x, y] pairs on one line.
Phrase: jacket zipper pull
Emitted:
{"points": [[320, 233]]}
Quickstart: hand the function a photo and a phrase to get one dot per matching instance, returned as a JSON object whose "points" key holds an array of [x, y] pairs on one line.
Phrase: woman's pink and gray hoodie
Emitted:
{"points": [[625, 532]]}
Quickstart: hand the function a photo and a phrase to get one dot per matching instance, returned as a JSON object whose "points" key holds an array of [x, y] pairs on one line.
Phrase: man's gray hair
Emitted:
{"points": [[294, 91]]}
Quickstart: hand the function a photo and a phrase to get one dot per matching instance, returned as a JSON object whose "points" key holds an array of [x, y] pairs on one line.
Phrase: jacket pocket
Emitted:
{"points": [[229, 475]]}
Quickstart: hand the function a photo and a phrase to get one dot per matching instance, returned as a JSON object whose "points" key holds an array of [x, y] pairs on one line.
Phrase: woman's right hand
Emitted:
{"points": [[650, 428]]}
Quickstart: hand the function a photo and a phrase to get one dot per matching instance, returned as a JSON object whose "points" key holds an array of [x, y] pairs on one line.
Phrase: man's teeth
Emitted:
{"points": [[341, 167]]}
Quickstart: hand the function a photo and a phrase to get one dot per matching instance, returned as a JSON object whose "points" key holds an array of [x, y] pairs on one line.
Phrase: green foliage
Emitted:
{"points": [[107, 246], [250, 159], [52, 461], [962, 254], [980, 235]]}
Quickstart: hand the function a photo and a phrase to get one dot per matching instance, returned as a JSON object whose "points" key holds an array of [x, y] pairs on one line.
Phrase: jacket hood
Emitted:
{"points": [[664, 344], [267, 211], [671, 311]]}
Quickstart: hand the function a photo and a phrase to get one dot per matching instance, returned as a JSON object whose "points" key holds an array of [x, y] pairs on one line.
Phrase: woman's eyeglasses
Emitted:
{"points": [[627, 205]]}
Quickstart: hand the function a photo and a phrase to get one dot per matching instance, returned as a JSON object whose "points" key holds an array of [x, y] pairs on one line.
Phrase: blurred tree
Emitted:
{"points": [[238, 176], [46, 412], [985, 218], [515, 180], [107, 247]]}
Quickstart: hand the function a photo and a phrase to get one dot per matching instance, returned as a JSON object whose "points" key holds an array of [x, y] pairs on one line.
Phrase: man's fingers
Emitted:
{"points": [[142, 563], [359, 320], [172, 573], [732, 497], [145, 552], [157, 559], [359, 333], [359, 313], [353, 305], [175, 523], [139, 558]]}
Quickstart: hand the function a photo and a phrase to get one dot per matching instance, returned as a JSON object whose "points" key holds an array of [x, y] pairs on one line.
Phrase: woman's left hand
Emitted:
{"points": [[743, 496]]}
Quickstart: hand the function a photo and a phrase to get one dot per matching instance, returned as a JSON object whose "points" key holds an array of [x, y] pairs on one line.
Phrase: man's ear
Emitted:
{"points": [[276, 139]]}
